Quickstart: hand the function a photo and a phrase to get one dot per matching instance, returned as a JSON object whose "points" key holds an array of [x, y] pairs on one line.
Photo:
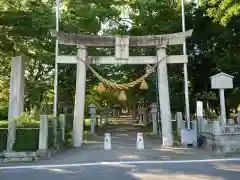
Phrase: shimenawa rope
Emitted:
{"points": [[149, 70]]}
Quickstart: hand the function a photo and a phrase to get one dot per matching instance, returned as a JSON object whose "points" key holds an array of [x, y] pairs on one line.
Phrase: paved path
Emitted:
{"points": [[85, 163], [123, 136]]}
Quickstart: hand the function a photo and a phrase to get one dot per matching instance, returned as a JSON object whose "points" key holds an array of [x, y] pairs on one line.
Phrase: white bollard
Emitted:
{"points": [[107, 141], [140, 142]]}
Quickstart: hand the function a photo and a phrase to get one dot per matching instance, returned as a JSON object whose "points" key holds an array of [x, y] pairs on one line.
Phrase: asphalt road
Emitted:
{"points": [[138, 171]]}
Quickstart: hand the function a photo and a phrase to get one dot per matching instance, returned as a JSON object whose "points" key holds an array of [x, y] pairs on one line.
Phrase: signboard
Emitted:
{"points": [[222, 81]]}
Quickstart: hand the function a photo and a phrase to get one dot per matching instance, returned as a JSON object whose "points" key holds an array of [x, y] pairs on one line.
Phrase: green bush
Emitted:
{"points": [[3, 138], [27, 134], [26, 140], [3, 112], [68, 131]]}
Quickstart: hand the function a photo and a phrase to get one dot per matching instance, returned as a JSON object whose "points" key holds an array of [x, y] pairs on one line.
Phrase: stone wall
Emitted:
{"points": [[226, 140]]}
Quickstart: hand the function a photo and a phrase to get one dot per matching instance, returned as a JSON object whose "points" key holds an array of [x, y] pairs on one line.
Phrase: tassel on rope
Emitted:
{"points": [[101, 87], [122, 96], [143, 85]]}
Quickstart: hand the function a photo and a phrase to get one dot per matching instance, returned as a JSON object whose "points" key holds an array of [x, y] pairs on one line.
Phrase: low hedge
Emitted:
{"points": [[27, 136], [27, 133]]}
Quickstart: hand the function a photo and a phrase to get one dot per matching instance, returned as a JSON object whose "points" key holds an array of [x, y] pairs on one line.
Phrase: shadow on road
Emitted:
{"points": [[181, 171]]}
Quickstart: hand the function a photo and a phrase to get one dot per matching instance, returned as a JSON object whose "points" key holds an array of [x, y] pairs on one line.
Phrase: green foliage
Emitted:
{"points": [[24, 30], [223, 11], [26, 139], [27, 134], [3, 112]]}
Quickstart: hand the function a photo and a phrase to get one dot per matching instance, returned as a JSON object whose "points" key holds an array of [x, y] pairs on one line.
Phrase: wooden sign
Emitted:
{"points": [[222, 81]]}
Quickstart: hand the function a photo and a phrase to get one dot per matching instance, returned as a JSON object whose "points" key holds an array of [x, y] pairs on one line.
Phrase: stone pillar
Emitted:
{"points": [[216, 128], [79, 99], [222, 107], [16, 97], [17, 83], [43, 133], [194, 125], [140, 114], [144, 115], [96, 122], [199, 112], [11, 134], [134, 113], [106, 115], [54, 126], [153, 115], [164, 100], [119, 111], [179, 119], [149, 117], [92, 117], [200, 124], [101, 119], [62, 122], [92, 112], [154, 121], [204, 123]]}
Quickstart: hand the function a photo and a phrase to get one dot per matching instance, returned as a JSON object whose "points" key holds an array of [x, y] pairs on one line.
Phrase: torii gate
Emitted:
{"points": [[122, 44]]}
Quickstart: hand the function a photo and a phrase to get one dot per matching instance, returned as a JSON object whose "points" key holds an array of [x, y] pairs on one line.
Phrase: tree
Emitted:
{"points": [[25, 25], [222, 11]]}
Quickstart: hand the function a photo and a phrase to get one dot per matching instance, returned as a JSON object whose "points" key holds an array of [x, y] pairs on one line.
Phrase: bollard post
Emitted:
{"points": [[140, 141], [107, 141]]}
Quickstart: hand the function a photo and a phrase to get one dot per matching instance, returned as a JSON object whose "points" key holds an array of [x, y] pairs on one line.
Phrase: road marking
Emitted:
{"points": [[115, 163]]}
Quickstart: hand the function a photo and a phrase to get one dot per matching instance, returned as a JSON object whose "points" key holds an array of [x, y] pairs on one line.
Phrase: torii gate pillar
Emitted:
{"points": [[79, 98], [167, 139]]}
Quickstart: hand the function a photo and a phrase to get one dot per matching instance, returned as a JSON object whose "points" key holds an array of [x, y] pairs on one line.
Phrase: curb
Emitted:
{"points": [[26, 157]]}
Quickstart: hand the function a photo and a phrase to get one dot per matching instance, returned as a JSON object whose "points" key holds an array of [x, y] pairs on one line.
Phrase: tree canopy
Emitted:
{"points": [[213, 47]]}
